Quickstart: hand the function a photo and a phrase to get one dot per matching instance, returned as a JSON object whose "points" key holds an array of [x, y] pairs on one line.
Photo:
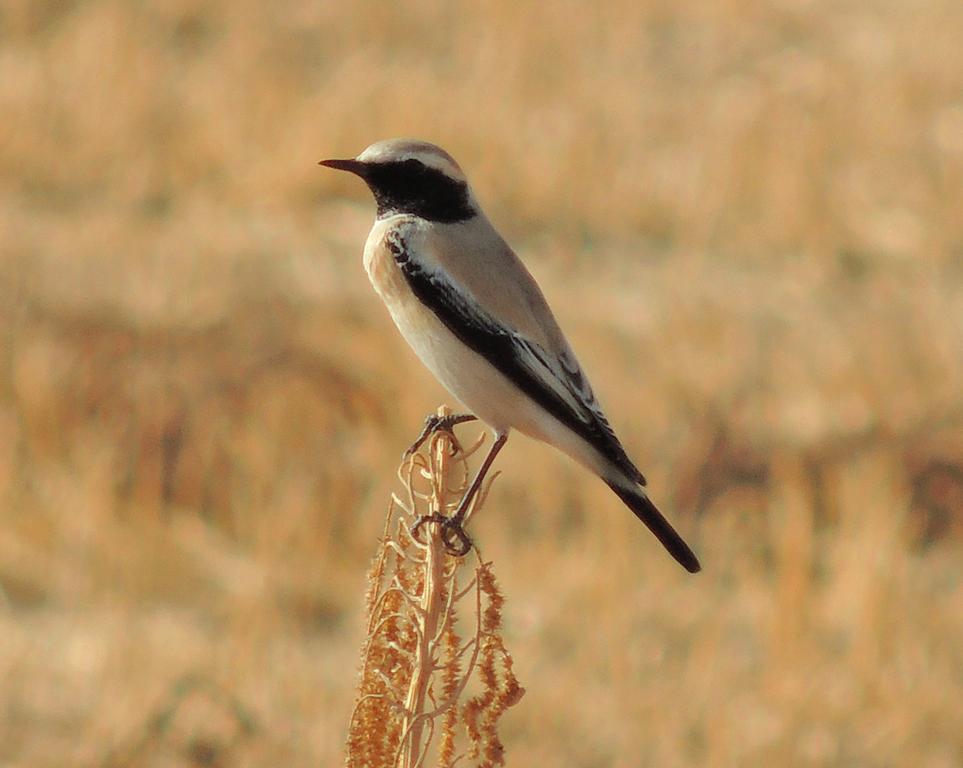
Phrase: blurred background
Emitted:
{"points": [[749, 218]]}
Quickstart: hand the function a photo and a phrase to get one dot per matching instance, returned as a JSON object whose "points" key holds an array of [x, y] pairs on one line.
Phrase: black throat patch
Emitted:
{"points": [[408, 186]]}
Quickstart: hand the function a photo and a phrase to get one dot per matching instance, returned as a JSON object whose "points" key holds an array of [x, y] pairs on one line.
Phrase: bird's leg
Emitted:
{"points": [[423, 520], [433, 423], [454, 536]]}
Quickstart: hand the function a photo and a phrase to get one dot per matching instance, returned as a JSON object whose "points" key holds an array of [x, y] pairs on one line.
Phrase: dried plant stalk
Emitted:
{"points": [[415, 663]]}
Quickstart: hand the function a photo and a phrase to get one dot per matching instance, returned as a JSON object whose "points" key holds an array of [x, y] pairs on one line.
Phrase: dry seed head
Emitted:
{"points": [[416, 661]]}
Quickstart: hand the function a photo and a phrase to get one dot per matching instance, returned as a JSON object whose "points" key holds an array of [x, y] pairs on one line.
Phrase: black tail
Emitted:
{"points": [[646, 511]]}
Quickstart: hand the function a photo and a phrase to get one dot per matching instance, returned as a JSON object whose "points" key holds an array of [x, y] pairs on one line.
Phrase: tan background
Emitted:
{"points": [[749, 216]]}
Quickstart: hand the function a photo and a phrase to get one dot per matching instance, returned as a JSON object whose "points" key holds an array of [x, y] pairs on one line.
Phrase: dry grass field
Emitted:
{"points": [[749, 216]]}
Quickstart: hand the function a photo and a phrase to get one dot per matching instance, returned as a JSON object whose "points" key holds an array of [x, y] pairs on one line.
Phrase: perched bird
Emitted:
{"points": [[477, 319]]}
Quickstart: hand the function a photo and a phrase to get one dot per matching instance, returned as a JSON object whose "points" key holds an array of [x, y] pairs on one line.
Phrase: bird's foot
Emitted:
{"points": [[453, 535], [433, 423]]}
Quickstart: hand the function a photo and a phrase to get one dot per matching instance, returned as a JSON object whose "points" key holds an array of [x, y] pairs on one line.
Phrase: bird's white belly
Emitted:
{"points": [[464, 373], [478, 385]]}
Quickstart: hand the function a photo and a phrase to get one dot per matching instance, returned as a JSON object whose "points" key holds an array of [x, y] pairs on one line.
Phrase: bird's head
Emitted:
{"points": [[415, 177]]}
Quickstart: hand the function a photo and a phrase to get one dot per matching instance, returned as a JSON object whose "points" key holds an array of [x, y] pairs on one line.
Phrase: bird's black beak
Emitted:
{"points": [[352, 166]]}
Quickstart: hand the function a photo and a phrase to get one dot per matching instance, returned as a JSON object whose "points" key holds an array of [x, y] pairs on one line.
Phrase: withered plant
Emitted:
{"points": [[435, 674]]}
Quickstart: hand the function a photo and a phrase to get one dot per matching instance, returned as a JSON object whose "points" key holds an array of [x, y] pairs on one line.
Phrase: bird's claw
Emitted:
{"points": [[434, 423], [453, 535]]}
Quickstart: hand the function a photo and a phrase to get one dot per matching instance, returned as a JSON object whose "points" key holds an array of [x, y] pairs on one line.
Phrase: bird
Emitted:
{"points": [[477, 319]]}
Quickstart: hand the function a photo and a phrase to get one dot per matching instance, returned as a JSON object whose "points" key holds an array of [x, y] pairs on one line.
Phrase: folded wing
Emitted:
{"points": [[554, 380]]}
